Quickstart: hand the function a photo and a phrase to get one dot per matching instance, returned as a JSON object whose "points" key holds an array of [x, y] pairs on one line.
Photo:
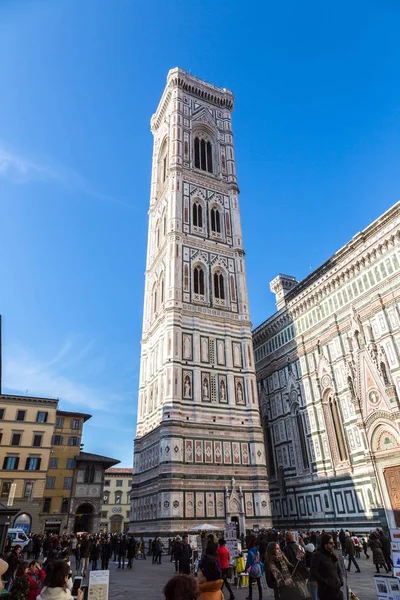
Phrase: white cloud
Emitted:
{"points": [[20, 170], [24, 374]]}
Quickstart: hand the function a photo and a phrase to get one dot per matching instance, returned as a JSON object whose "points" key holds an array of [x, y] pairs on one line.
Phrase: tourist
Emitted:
{"points": [[377, 554], [386, 548], [325, 570], [277, 573], [176, 545], [84, 554], [210, 581], [212, 546], [184, 555], [13, 560], [105, 552], [223, 557], [130, 552], [122, 548], [253, 567], [181, 587], [55, 586], [292, 550], [350, 550], [95, 554], [36, 577], [342, 539], [3, 569], [365, 547]]}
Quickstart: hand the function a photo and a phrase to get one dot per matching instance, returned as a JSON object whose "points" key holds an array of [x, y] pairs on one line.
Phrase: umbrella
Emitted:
{"points": [[205, 527]]}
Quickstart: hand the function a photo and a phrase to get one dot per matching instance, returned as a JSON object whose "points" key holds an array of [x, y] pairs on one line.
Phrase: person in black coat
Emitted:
{"points": [[130, 552], [106, 552], [184, 556], [95, 554], [211, 547], [325, 570], [386, 548], [123, 546]]}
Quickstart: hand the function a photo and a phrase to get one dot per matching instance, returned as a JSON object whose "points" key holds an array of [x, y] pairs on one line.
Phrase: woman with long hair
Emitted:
{"points": [[55, 586], [36, 576], [278, 573], [20, 586]]}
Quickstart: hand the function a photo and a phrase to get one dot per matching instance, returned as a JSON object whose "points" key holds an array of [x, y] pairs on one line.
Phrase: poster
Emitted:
{"points": [[396, 559], [98, 585], [382, 586]]}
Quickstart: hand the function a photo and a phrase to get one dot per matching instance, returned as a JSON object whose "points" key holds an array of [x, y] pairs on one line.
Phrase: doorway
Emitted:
{"points": [[392, 477], [84, 518]]}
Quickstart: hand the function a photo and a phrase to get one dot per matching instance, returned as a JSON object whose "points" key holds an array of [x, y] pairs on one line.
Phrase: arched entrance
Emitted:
{"points": [[116, 524], [84, 518]]}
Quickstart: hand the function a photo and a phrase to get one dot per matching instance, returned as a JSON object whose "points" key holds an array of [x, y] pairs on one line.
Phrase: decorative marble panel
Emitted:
{"points": [[236, 453], [189, 505], [227, 453], [205, 387], [200, 512], [210, 504], [245, 454], [189, 450], [222, 389], [249, 506], [239, 390], [187, 384], [198, 451], [177, 449], [220, 504], [218, 452], [187, 346], [208, 453], [237, 354]]}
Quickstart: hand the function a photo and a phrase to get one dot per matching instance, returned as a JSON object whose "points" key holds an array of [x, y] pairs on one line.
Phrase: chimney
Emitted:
{"points": [[280, 286]]}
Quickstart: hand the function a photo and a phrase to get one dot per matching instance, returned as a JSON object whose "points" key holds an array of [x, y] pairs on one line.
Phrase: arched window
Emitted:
{"points": [[89, 474], [155, 298], [106, 497], [198, 281], [215, 220], [203, 155], [118, 497], [197, 215], [162, 290], [219, 290], [335, 429], [302, 437]]}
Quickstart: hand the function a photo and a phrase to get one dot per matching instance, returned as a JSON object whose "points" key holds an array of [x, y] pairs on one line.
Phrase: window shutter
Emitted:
{"points": [[27, 464], [5, 462], [16, 462], [39, 460]]}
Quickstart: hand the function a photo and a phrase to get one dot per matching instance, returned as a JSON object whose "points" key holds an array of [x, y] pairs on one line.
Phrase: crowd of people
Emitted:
{"points": [[296, 566], [311, 566]]}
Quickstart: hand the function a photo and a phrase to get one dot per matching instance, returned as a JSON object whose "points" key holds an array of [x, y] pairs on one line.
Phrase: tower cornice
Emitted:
{"points": [[207, 92]]}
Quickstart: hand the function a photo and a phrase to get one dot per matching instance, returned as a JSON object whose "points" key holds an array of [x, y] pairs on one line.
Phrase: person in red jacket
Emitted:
{"points": [[35, 576], [223, 557]]}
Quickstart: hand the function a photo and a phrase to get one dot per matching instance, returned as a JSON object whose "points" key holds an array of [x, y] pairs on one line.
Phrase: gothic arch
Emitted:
{"points": [[334, 428], [199, 283], [298, 425], [198, 214], [384, 438], [220, 282], [204, 148], [216, 219], [162, 163]]}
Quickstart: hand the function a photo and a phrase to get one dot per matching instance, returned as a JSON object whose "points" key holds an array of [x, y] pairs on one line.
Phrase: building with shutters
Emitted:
{"points": [[26, 430], [65, 447], [328, 376], [116, 500]]}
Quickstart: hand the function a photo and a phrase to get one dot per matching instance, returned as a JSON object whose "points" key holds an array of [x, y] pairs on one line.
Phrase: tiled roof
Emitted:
{"points": [[97, 458], [117, 471]]}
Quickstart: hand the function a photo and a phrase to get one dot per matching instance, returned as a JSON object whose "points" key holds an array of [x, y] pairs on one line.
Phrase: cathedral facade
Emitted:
{"points": [[199, 452], [328, 376]]}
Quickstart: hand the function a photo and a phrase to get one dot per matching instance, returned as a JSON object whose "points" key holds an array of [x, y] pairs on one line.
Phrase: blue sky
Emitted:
{"points": [[317, 136]]}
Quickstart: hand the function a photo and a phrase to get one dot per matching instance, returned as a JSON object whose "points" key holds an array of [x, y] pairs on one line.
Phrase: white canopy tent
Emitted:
{"points": [[205, 527]]}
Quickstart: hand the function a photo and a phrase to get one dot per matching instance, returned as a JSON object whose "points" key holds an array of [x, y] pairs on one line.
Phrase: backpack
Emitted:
{"points": [[254, 570]]}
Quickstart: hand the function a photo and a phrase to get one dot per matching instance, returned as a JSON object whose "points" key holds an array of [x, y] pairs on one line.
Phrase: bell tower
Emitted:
{"points": [[198, 423]]}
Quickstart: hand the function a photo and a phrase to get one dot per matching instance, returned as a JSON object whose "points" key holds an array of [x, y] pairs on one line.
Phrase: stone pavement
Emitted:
{"points": [[146, 581]]}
